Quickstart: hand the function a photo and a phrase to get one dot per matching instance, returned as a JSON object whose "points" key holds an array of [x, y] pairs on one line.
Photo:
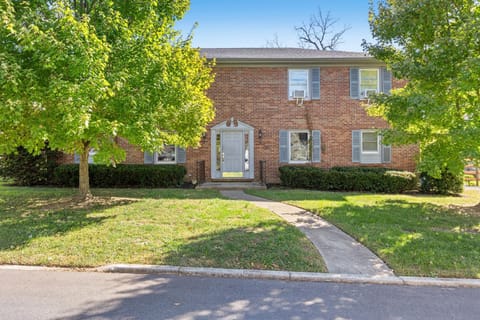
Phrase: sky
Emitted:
{"points": [[251, 23]]}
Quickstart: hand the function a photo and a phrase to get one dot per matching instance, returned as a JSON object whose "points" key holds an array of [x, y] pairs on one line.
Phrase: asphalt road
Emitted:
{"points": [[86, 295]]}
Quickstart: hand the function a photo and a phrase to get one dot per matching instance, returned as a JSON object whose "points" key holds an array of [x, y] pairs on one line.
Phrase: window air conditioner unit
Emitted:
{"points": [[299, 94], [368, 92]]}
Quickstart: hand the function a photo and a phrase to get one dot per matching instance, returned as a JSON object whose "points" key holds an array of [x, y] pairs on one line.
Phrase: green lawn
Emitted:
{"points": [[46, 226], [417, 235]]}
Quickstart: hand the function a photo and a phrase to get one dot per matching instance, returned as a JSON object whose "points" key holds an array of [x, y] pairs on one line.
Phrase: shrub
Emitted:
{"points": [[354, 179], [447, 183], [26, 169], [362, 169], [123, 175]]}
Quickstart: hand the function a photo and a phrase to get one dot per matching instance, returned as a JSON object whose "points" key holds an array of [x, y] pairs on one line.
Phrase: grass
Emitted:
{"points": [[46, 226], [417, 235]]}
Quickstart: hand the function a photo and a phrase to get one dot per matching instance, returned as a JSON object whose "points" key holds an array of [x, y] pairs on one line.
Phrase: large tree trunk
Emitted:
{"points": [[84, 180]]}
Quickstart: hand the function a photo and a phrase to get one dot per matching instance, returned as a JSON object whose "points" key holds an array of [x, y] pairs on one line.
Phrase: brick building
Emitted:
{"points": [[279, 106]]}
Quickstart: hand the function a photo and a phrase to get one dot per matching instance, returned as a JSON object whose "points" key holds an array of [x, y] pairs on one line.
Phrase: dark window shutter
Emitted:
{"points": [[386, 154], [356, 145], [283, 139], [315, 83], [316, 146], [181, 155], [147, 157], [354, 83], [386, 80], [76, 158]]}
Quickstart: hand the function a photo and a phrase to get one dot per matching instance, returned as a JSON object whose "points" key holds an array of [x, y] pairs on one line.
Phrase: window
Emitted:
{"points": [[170, 154], [298, 80], [369, 81], [367, 147], [370, 141], [167, 155], [299, 146], [304, 83], [91, 154], [364, 82]]}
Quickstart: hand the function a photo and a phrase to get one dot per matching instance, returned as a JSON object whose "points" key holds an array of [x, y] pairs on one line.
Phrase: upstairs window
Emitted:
{"points": [[304, 83], [369, 82], [298, 82]]}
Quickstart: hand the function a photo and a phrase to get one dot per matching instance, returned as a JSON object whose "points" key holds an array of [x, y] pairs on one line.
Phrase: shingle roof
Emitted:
{"points": [[276, 53], [284, 55]]}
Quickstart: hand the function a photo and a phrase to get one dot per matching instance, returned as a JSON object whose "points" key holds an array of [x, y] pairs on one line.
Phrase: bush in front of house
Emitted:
{"points": [[354, 179], [362, 169], [25, 169], [123, 175], [447, 183]]}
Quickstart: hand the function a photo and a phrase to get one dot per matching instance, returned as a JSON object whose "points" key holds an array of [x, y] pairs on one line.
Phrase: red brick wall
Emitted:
{"points": [[257, 96], [133, 154]]}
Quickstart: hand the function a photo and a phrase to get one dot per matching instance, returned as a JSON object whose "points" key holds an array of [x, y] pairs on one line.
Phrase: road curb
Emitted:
{"points": [[291, 276], [263, 275]]}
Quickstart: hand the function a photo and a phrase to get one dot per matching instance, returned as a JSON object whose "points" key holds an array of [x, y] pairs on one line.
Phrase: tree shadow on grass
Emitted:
{"points": [[20, 223], [158, 193], [300, 194], [27, 213], [273, 245], [414, 238]]}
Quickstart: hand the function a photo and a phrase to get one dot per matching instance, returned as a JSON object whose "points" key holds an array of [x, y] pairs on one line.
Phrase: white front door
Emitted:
{"points": [[232, 150], [233, 159]]}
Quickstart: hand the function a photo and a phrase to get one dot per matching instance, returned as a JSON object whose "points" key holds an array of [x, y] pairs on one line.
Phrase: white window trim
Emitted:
{"points": [[361, 142], [307, 93], [360, 80], [290, 147], [156, 162]]}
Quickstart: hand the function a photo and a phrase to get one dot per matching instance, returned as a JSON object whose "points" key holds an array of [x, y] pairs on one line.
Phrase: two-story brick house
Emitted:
{"points": [[280, 106]]}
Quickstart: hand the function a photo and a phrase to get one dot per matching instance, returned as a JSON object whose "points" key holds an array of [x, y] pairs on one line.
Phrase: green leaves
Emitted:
{"points": [[433, 44], [81, 73]]}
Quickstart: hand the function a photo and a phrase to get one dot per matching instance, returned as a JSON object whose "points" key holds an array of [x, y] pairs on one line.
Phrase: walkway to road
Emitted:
{"points": [[341, 253]]}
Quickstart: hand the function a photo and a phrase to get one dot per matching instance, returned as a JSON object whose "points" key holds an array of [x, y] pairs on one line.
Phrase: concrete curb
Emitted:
{"points": [[263, 275], [291, 276], [42, 268]]}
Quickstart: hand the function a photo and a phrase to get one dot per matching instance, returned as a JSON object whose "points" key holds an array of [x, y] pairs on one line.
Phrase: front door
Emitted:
{"points": [[233, 159], [232, 150]]}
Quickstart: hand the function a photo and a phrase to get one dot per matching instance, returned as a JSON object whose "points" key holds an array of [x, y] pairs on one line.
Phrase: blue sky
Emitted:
{"points": [[250, 23]]}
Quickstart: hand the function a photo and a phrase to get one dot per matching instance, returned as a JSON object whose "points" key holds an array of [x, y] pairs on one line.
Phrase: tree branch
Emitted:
{"points": [[320, 33]]}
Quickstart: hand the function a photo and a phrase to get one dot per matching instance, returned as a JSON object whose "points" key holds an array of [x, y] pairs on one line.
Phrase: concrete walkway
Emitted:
{"points": [[341, 253]]}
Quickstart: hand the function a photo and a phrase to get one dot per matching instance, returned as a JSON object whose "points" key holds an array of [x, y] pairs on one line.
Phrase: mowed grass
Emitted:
{"points": [[417, 235], [47, 226]]}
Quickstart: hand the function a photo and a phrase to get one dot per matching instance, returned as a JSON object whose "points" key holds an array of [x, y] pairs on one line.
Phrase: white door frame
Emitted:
{"points": [[232, 126]]}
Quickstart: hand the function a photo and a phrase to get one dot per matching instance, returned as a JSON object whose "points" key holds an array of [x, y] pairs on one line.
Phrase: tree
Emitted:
{"points": [[274, 43], [434, 46], [79, 74], [319, 33]]}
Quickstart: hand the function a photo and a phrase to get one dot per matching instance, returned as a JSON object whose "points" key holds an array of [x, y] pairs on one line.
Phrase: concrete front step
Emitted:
{"points": [[231, 185]]}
